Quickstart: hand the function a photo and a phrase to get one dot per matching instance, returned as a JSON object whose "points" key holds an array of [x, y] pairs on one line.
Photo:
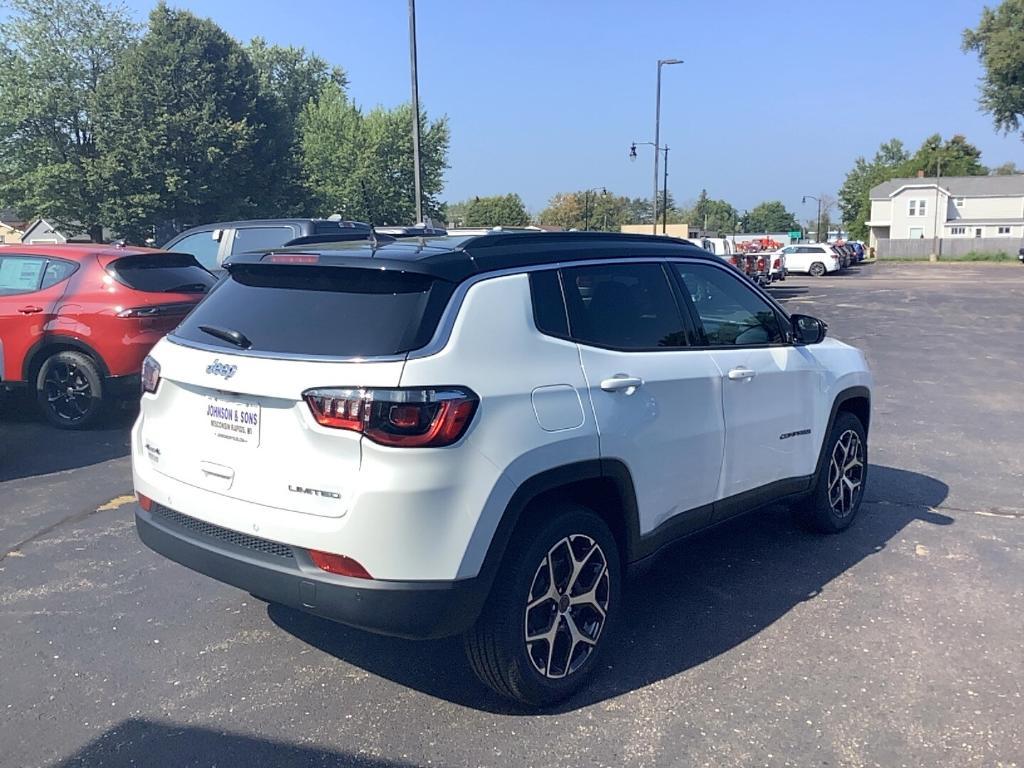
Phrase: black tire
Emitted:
{"points": [[833, 505], [817, 269], [497, 646], [69, 390]]}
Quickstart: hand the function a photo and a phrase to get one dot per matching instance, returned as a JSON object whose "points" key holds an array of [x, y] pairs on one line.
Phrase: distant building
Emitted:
{"points": [[43, 232], [952, 208], [671, 230]]}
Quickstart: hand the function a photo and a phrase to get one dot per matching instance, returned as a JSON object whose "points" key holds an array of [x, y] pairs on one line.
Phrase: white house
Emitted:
{"points": [[953, 207]]}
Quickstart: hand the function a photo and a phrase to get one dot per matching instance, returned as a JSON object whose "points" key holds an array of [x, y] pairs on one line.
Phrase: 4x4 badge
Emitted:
{"points": [[217, 368]]}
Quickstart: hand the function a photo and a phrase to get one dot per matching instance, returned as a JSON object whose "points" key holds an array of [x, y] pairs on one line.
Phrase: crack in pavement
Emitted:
{"points": [[114, 503]]}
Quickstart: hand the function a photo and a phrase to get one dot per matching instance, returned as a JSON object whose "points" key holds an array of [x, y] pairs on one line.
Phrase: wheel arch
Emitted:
{"points": [[855, 400], [603, 485], [51, 344]]}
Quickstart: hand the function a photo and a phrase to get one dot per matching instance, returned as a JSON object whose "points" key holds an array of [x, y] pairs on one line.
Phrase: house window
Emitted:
{"points": [[916, 207], [958, 230], [913, 208], [977, 232], [958, 202], [1004, 230], [920, 207]]}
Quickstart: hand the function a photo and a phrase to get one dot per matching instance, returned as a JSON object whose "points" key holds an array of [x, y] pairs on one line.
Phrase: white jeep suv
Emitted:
{"points": [[815, 259], [440, 436]]}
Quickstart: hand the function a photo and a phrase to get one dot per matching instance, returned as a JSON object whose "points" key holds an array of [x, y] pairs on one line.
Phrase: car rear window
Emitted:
{"points": [[162, 273], [320, 310]]}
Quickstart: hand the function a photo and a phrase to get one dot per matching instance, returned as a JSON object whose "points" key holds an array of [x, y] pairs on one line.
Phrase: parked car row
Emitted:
{"points": [[763, 268], [818, 259]]}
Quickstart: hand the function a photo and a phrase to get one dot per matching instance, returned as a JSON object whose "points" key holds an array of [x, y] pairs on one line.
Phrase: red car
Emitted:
{"points": [[76, 321]]}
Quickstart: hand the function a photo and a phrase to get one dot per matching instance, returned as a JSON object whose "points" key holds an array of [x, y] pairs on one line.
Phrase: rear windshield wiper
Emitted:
{"points": [[225, 334], [187, 288]]}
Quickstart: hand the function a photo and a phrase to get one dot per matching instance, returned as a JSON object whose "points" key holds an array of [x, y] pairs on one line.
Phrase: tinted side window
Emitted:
{"points": [[261, 238], [20, 274], [622, 306], [548, 306], [730, 313], [202, 246], [57, 271]]}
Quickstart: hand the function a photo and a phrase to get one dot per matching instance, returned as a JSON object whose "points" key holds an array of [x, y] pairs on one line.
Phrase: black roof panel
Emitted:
{"points": [[457, 258]]}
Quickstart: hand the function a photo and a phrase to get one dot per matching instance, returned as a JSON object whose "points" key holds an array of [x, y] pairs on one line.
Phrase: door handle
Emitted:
{"points": [[622, 382], [737, 374], [30, 310]]}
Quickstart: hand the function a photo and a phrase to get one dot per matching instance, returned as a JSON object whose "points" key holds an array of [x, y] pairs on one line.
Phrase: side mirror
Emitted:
{"points": [[807, 329]]}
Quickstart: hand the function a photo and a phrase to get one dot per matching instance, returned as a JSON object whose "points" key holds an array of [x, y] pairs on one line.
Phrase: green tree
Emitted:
{"points": [[854, 195], [496, 211], [1008, 168], [291, 75], [184, 129], [597, 210], [770, 216], [713, 216], [289, 79], [361, 165], [53, 56], [997, 41], [955, 157]]}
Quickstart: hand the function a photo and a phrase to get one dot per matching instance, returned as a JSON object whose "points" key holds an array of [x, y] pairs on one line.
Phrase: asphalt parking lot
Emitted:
{"points": [[898, 643]]}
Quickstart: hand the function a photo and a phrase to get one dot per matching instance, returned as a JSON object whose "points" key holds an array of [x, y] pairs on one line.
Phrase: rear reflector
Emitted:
{"points": [[291, 258], [403, 418], [339, 564], [145, 502]]}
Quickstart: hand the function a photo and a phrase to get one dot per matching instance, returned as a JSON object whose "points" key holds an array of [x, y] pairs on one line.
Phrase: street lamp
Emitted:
{"points": [[664, 203], [817, 228], [657, 136]]}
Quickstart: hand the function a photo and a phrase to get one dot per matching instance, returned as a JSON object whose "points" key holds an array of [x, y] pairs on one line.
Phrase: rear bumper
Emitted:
{"points": [[286, 575]]}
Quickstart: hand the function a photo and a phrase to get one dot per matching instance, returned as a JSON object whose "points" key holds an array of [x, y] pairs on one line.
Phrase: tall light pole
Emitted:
{"points": [[415, 112], [817, 227], [657, 139]]}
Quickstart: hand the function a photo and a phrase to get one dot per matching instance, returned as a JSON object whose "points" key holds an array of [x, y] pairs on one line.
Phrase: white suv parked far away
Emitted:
{"points": [[478, 435], [814, 259]]}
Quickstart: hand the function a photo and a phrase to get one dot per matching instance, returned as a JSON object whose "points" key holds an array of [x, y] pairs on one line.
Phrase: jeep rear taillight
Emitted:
{"points": [[150, 375], [405, 418], [777, 264], [760, 263]]}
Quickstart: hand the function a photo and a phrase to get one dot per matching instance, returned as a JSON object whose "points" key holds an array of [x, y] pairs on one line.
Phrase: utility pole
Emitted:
{"points": [[936, 240], [657, 140], [415, 112], [664, 197]]}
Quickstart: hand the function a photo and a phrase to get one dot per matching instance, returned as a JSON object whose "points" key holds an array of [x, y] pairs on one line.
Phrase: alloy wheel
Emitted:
{"points": [[846, 473], [567, 606], [68, 392]]}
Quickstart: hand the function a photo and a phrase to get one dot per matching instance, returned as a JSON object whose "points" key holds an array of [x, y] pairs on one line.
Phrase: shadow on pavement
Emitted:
{"points": [[701, 598], [139, 742], [29, 446]]}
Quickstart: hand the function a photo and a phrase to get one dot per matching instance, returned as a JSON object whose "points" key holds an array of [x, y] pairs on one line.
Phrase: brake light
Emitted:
{"points": [[145, 502], [734, 260], [150, 375], [291, 258], [777, 264], [760, 263], [406, 418], [339, 564]]}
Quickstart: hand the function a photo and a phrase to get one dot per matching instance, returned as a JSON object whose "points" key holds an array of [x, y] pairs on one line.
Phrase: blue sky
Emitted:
{"points": [[774, 100]]}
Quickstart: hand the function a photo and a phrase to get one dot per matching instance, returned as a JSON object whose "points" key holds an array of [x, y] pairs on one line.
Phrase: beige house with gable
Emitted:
{"points": [[952, 207]]}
